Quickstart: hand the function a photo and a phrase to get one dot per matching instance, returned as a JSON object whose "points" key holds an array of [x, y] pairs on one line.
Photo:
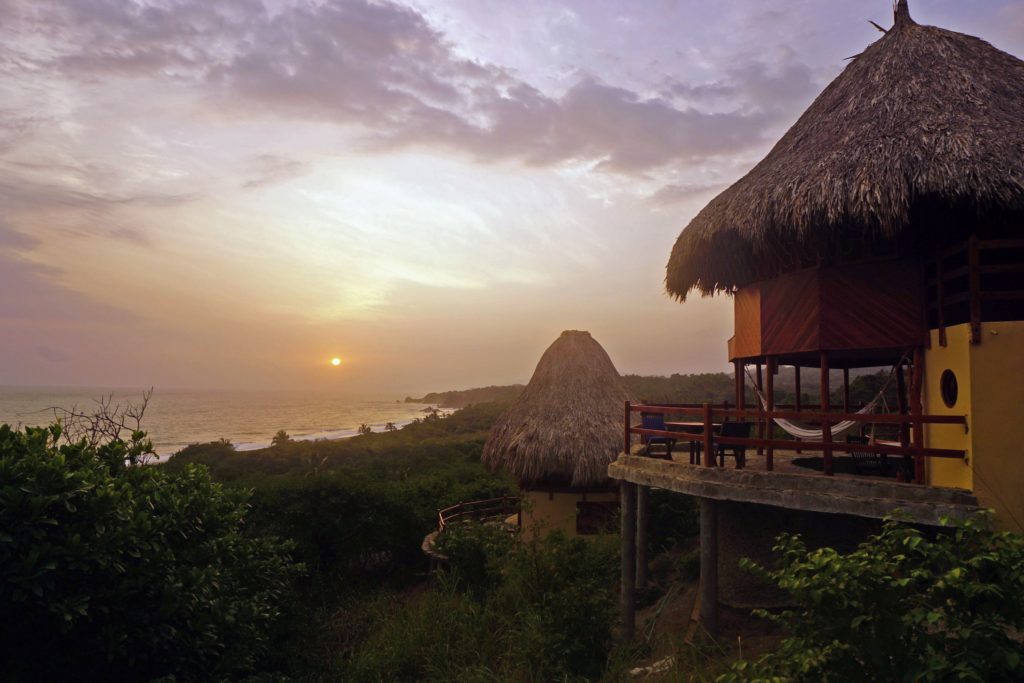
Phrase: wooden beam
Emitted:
{"points": [[796, 388], [709, 446], [846, 390], [916, 408], [629, 423], [627, 589], [760, 420], [940, 305], [741, 384], [770, 401], [796, 384], [974, 287], [708, 590], [901, 402], [826, 427]]}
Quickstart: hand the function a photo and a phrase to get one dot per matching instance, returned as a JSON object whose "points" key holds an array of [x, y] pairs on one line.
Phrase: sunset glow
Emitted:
{"points": [[193, 197]]}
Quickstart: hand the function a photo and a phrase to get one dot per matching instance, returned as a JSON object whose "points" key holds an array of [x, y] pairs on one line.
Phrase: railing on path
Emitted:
{"points": [[490, 510], [711, 416]]}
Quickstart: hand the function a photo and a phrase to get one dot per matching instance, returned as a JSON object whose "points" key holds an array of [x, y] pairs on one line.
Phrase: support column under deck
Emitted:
{"points": [[627, 590], [709, 565], [642, 509]]}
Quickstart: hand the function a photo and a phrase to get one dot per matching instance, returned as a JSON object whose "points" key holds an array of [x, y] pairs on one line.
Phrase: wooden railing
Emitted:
{"points": [[710, 416], [962, 283], [492, 509]]}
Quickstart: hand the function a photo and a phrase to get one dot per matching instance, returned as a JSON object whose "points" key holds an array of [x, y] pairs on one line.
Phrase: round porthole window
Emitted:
{"points": [[949, 388]]}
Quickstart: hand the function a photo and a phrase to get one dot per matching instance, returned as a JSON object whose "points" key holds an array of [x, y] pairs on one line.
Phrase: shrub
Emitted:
{"points": [[546, 614], [903, 606], [558, 603], [113, 572], [476, 554]]}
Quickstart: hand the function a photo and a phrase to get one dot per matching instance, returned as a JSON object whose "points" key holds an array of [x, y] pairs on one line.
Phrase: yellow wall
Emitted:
{"points": [[990, 376], [954, 356], [544, 511]]}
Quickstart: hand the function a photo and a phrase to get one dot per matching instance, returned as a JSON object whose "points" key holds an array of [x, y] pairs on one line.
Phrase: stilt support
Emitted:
{"points": [[627, 503], [709, 565], [642, 507]]}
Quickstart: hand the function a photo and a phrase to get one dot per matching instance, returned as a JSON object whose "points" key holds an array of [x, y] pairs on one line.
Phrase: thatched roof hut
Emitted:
{"points": [[566, 426], [920, 137]]}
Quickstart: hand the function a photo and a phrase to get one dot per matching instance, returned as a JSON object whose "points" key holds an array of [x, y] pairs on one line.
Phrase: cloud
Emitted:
{"points": [[383, 69], [268, 169], [13, 240]]}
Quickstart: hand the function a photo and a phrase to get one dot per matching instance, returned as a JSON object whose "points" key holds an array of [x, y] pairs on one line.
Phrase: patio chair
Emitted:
{"points": [[739, 430], [656, 421]]}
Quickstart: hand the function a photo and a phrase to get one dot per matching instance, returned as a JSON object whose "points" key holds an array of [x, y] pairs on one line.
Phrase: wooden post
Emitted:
{"points": [[709, 565], [826, 426], [760, 408], [846, 390], [901, 402], [797, 400], [770, 401], [796, 384], [940, 297], [628, 424], [740, 383], [627, 590], [974, 286], [916, 379], [642, 514], [709, 453], [741, 386]]}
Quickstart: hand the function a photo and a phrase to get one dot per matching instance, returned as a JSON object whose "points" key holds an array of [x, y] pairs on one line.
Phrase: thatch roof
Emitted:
{"points": [[566, 426], [924, 118]]}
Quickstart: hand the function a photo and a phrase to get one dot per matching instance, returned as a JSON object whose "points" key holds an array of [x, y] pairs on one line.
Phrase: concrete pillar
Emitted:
{"points": [[627, 503], [709, 565], [642, 508]]}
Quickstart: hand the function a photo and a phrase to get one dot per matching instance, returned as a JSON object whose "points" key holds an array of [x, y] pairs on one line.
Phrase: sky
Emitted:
{"points": [[230, 193]]}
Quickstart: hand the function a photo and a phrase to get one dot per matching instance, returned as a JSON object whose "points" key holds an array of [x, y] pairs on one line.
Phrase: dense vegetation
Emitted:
{"points": [[302, 562], [540, 609], [903, 606], [123, 573]]}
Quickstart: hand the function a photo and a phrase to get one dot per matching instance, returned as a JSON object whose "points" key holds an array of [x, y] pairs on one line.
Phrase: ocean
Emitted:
{"points": [[249, 419]]}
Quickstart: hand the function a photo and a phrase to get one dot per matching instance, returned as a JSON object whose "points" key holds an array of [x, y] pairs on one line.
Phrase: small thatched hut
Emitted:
{"points": [[560, 435]]}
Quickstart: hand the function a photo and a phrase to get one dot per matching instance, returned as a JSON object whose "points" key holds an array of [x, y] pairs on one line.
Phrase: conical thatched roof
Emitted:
{"points": [[925, 123], [566, 426]]}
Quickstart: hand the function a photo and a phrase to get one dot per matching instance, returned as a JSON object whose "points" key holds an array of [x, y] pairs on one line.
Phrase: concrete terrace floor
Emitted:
{"points": [[794, 487]]}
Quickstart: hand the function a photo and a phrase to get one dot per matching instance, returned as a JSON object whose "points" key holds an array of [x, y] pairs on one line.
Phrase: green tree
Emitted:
{"points": [[280, 439], [116, 572], [903, 606]]}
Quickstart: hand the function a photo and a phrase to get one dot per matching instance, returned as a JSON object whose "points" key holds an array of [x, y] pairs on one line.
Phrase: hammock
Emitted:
{"points": [[838, 429]]}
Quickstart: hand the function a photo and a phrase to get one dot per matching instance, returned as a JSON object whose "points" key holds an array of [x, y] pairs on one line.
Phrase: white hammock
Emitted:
{"points": [[814, 434]]}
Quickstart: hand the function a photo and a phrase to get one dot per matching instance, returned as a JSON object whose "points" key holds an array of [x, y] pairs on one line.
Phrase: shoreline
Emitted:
{"points": [[325, 435], [328, 435]]}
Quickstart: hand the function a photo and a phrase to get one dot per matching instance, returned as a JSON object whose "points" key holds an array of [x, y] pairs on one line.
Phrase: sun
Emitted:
{"points": [[335, 362]]}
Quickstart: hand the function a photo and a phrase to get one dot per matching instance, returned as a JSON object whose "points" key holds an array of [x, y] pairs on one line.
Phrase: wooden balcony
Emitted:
{"points": [[775, 479]]}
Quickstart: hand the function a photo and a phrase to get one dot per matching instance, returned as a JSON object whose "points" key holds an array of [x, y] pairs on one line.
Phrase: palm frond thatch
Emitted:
{"points": [[924, 117], [566, 426]]}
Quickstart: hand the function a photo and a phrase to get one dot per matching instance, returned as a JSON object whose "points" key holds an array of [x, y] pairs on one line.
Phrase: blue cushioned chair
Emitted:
{"points": [[656, 421]]}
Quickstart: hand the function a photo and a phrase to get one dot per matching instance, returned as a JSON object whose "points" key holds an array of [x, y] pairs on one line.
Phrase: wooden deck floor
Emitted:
{"points": [[799, 488]]}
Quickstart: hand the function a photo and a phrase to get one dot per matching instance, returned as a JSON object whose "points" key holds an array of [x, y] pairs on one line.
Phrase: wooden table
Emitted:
{"points": [[693, 428]]}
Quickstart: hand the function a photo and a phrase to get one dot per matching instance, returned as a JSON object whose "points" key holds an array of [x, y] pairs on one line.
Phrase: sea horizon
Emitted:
{"points": [[248, 418]]}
